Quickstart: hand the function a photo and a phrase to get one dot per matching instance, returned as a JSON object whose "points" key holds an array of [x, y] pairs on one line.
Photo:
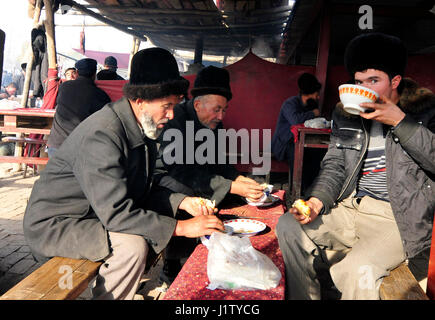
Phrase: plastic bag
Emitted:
{"points": [[233, 263], [318, 123]]}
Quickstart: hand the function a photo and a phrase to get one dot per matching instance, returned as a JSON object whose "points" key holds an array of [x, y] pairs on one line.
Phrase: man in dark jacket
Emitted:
{"points": [[295, 110], [96, 198], [374, 199], [76, 100], [109, 71], [209, 179]]}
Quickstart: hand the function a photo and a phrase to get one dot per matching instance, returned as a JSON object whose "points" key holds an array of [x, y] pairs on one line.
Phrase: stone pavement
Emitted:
{"points": [[16, 261]]}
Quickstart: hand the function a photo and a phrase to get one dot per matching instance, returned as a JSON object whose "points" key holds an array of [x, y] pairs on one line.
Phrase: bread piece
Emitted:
{"points": [[302, 207], [206, 202]]}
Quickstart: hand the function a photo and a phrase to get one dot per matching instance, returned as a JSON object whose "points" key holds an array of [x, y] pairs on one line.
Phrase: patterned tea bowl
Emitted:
{"points": [[351, 95]]}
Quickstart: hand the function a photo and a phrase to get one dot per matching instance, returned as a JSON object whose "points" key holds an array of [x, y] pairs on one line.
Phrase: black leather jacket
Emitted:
{"points": [[410, 163]]}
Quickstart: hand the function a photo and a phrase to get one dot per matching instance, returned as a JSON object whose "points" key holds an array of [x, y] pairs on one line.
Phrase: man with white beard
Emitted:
{"points": [[96, 198]]}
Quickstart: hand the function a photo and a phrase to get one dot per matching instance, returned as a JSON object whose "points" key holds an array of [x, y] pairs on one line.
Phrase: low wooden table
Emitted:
{"points": [[192, 281], [307, 138], [26, 120]]}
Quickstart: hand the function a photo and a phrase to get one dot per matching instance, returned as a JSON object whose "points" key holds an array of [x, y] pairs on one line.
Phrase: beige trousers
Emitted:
{"points": [[119, 275], [366, 231]]}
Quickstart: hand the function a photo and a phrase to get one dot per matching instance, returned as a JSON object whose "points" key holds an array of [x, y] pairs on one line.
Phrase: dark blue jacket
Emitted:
{"points": [[292, 112]]}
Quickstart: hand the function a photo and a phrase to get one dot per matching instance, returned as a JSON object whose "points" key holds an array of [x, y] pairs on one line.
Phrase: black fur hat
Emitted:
{"points": [[154, 74], [376, 51], [212, 80], [308, 84], [86, 67]]}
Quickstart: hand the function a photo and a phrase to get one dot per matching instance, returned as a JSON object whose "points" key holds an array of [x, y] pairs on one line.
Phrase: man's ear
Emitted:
{"points": [[196, 104], [396, 81]]}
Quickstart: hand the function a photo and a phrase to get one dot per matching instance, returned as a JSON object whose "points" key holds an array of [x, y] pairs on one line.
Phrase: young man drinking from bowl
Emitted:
{"points": [[373, 201]]}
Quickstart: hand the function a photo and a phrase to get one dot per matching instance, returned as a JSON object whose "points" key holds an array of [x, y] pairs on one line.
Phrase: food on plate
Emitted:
{"points": [[302, 207], [243, 231], [206, 202]]}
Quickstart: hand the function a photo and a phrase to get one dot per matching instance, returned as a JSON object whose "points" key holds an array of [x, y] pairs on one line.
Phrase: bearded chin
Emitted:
{"points": [[150, 127]]}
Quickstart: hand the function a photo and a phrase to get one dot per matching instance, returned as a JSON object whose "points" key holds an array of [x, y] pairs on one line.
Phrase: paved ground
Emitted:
{"points": [[16, 261]]}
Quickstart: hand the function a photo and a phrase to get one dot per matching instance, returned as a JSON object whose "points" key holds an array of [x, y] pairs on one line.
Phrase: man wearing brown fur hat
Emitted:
{"points": [[96, 198], [373, 201]]}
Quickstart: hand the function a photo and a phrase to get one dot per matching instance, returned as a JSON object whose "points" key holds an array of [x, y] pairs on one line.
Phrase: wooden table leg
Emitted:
{"points": [[298, 167]]}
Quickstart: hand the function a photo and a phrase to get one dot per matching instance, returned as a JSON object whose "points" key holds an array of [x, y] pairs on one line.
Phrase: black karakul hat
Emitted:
{"points": [[376, 51], [154, 74], [212, 80], [308, 83], [86, 67]]}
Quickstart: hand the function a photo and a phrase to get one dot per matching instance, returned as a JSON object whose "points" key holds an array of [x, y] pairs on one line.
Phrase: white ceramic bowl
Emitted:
{"points": [[352, 95]]}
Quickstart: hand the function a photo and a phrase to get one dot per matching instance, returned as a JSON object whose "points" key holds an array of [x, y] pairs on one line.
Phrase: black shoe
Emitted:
{"points": [[171, 268]]}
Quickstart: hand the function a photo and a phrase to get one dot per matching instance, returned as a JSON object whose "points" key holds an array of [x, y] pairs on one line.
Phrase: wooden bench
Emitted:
{"points": [[61, 279], [24, 140], [26, 160], [401, 285]]}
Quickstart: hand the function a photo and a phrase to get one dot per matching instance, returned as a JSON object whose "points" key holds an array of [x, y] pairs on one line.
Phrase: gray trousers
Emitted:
{"points": [[366, 231], [119, 276]]}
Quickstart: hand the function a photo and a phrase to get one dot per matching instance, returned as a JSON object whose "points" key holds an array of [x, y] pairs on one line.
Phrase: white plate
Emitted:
{"points": [[273, 197], [244, 227]]}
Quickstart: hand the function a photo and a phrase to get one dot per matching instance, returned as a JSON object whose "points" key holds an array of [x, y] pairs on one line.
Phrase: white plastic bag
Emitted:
{"points": [[318, 123], [233, 263]]}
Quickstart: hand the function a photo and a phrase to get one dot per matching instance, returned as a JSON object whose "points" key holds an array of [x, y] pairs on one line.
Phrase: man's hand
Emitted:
{"points": [[192, 206], [316, 112], [242, 178], [252, 191], [386, 112], [315, 205], [198, 226]]}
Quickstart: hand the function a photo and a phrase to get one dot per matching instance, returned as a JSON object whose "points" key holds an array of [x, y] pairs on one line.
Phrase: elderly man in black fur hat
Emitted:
{"points": [[96, 198], [373, 201], [210, 179]]}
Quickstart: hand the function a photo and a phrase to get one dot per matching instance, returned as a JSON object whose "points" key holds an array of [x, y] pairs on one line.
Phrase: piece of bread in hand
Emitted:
{"points": [[206, 202], [302, 207]]}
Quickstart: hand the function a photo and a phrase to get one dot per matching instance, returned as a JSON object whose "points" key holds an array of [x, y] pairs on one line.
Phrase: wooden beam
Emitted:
{"points": [[303, 16], [106, 20], [132, 10]]}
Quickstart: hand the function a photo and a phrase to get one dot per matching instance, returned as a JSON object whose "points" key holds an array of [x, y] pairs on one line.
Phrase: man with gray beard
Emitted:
{"points": [[96, 198]]}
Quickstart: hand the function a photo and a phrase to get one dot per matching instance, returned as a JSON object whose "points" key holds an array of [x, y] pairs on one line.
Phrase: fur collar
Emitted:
{"points": [[413, 99]]}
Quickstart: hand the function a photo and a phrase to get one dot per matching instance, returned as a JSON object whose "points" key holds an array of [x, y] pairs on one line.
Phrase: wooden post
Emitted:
{"points": [[134, 50], [199, 47], [2, 48], [31, 58], [323, 51], [49, 32]]}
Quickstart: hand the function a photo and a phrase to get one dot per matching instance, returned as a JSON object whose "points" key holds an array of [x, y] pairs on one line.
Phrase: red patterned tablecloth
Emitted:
{"points": [[192, 281]]}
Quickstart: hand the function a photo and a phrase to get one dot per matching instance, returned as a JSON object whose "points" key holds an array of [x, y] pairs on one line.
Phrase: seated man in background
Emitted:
{"points": [[296, 110], [211, 180], [70, 74], [76, 100], [96, 198], [9, 92], [374, 198], [109, 70]]}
